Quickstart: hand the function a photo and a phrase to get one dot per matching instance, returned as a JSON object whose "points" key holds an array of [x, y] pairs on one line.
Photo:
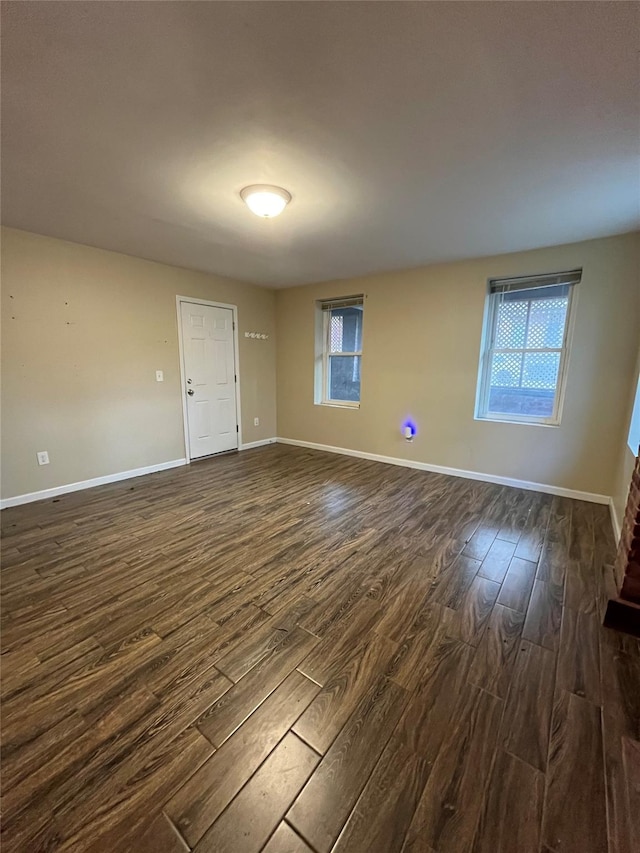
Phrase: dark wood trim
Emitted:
{"points": [[623, 616]]}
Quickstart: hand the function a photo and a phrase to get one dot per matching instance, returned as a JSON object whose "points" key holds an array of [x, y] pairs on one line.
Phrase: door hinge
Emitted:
{"points": [[237, 428], [235, 377], [234, 325]]}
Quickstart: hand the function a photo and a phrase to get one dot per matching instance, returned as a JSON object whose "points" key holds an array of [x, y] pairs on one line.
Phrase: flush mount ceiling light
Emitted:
{"points": [[264, 200]]}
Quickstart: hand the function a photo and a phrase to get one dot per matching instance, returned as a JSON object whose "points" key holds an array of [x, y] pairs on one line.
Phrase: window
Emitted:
{"points": [[340, 351], [634, 428], [526, 346]]}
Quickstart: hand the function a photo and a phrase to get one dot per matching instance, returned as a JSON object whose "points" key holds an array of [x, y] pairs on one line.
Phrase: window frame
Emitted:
{"points": [[634, 423], [323, 398], [489, 332]]}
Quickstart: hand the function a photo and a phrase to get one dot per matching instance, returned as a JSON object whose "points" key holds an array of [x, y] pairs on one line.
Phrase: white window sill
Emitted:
{"points": [[491, 420], [334, 404]]}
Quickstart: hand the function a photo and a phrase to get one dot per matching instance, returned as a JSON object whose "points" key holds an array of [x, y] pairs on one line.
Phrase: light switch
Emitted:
{"points": [[159, 376]]}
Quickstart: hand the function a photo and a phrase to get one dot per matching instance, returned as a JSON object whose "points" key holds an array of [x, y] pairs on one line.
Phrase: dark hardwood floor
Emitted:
{"points": [[291, 651]]}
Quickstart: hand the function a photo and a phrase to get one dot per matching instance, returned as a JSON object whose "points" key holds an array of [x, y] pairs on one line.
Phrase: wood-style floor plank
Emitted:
{"points": [[455, 581], [221, 719], [160, 835], [209, 791], [518, 505], [430, 707], [384, 810], [575, 815], [544, 616], [447, 813], [533, 532], [496, 653], [115, 825], [285, 840], [323, 806], [527, 714], [619, 677], [620, 821], [495, 564], [580, 579], [399, 610], [516, 587], [553, 561], [256, 811], [340, 696], [579, 655], [512, 813], [480, 543], [413, 655], [238, 661], [631, 759], [339, 646], [475, 610]]}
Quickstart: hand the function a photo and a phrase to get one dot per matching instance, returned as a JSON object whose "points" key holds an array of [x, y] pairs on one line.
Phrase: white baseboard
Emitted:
{"points": [[455, 472], [251, 444], [617, 529], [89, 484], [389, 460]]}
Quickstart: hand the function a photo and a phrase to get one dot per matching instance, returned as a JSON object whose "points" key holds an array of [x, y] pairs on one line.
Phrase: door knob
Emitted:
{"points": [[191, 392]]}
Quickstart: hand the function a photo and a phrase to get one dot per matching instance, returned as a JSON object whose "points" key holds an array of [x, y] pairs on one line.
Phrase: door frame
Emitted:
{"points": [[183, 379]]}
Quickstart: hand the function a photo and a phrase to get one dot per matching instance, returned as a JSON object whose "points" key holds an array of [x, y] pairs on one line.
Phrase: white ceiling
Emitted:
{"points": [[407, 133]]}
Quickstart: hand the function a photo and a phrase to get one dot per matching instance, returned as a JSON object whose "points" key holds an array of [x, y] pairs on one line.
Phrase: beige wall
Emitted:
{"points": [[422, 331], [83, 332], [627, 458]]}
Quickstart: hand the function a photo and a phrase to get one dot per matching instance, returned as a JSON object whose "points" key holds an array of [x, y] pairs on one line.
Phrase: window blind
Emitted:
{"points": [[345, 302], [511, 285]]}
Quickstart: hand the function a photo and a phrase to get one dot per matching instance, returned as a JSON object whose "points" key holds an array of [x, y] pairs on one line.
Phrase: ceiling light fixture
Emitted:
{"points": [[264, 200]]}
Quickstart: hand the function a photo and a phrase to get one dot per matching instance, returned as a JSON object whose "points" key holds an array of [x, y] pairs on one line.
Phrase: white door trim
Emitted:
{"points": [[183, 379]]}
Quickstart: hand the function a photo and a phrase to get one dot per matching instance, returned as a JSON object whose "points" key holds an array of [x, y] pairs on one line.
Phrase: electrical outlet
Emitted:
{"points": [[159, 376], [43, 457], [256, 421]]}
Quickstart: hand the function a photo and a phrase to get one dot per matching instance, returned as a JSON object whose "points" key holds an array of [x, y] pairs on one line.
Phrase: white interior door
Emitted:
{"points": [[210, 376]]}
